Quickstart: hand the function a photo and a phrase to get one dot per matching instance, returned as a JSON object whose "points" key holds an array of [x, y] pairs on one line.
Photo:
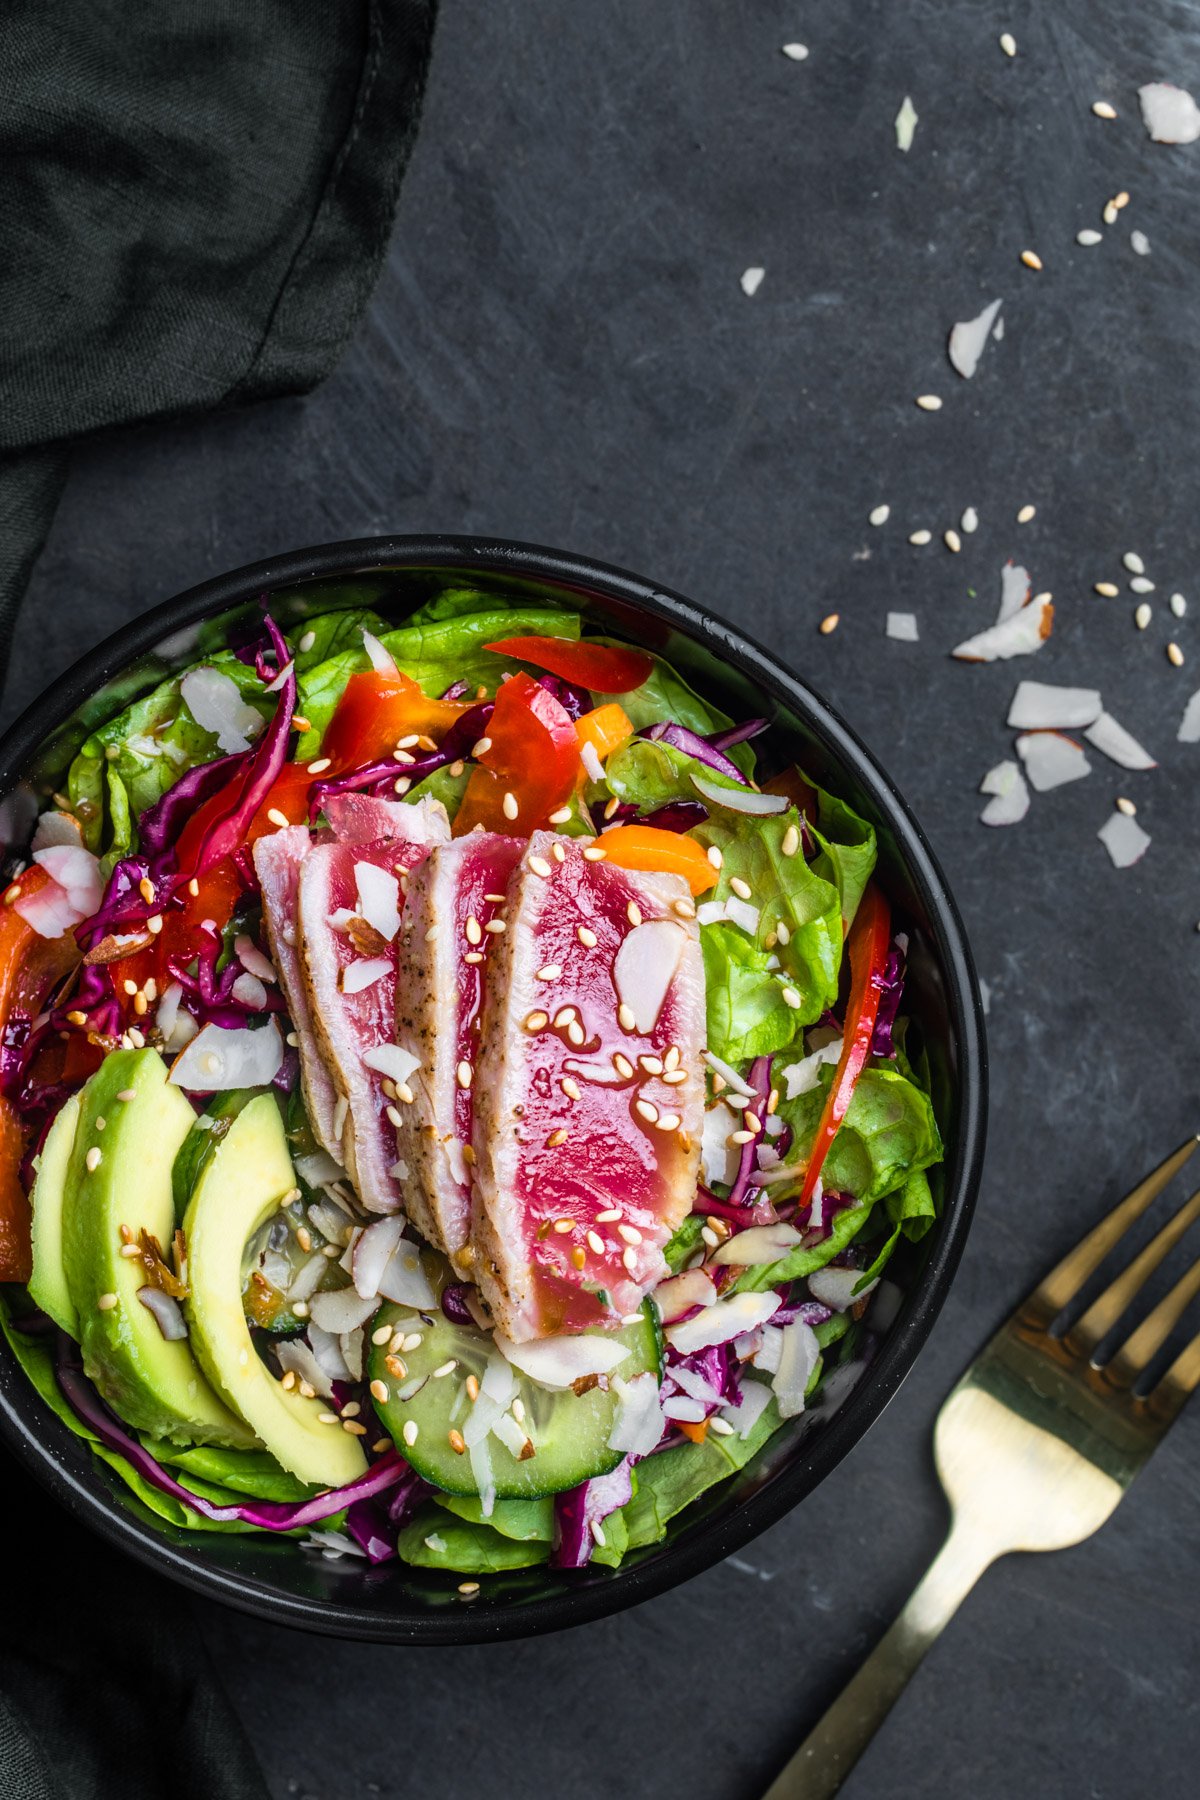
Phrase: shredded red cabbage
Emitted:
{"points": [[456, 746], [759, 1212], [891, 994], [261, 770], [160, 825], [680, 738], [454, 1303], [718, 1365], [737, 734], [574, 700], [808, 1312], [760, 1080], [577, 1509]]}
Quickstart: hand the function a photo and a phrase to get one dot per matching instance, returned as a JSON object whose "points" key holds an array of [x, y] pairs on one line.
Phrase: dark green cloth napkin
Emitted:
{"points": [[195, 199]]}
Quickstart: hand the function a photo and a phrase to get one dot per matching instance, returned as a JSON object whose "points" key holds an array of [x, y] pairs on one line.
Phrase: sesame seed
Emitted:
{"points": [[1121, 200], [1141, 616], [646, 1109], [404, 1093], [394, 1366], [410, 1431], [595, 1243], [1106, 589], [576, 1033], [722, 1427], [1110, 214], [633, 913], [1134, 563], [446, 1368], [509, 805], [395, 1117], [1126, 806], [456, 768], [626, 1017], [536, 1021], [782, 932], [304, 1238], [154, 924], [829, 624], [929, 402], [277, 818], [550, 972], [141, 1005], [354, 1428], [456, 1442], [194, 888], [558, 853], [1008, 44], [969, 520], [562, 1226], [472, 1386], [586, 936], [328, 1418], [131, 1250], [289, 1381], [630, 1233], [403, 756], [741, 1137], [481, 747], [1103, 110], [622, 1065], [412, 1340], [570, 1087], [671, 1059], [578, 1257], [130, 987], [920, 537], [473, 930], [652, 1065], [126, 1095], [300, 1307], [561, 817], [684, 909], [714, 856], [741, 888], [556, 1139], [791, 841], [540, 866], [880, 515], [752, 1122], [674, 1076], [1178, 605], [709, 1236], [106, 1302], [952, 541], [595, 853], [610, 807], [473, 956], [12, 895], [1175, 655], [381, 1334], [609, 1216], [791, 997], [464, 1073], [467, 1588], [629, 1258], [92, 1159], [146, 890], [1031, 259], [1026, 514]]}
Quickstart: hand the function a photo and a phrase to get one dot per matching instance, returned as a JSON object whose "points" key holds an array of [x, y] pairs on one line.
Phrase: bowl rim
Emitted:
{"points": [[708, 1541]]}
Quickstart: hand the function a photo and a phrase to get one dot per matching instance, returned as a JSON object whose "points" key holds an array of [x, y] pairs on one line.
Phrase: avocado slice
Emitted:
{"points": [[208, 1128], [131, 1124], [241, 1184], [48, 1282]]}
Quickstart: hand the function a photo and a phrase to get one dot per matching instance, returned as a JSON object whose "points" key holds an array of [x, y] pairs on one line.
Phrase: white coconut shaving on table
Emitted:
{"points": [[1022, 634], [906, 124], [796, 52], [1016, 590], [1041, 706], [752, 280], [1169, 113], [1124, 840], [903, 627], [1051, 760], [1189, 725], [1113, 741], [998, 330], [1010, 795], [968, 339]]}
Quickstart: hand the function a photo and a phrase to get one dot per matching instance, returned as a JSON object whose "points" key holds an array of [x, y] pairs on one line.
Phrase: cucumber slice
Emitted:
{"points": [[569, 1431]]}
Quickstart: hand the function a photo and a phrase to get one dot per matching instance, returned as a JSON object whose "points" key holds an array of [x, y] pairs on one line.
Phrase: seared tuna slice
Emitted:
{"points": [[360, 818], [589, 1095], [277, 860], [349, 909], [452, 920]]}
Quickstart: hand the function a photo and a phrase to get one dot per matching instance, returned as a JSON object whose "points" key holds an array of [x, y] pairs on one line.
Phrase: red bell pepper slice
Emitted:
{"points": [[604, 668], [867, 947], [378, 707], [532, 754]]}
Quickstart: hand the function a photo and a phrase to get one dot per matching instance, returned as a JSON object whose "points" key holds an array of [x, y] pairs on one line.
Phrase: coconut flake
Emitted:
{"points": [[760, 1244], [167, 1313], [681, 1407], [718, 1157], [723, 1320], [249, 991], [838, 1289], [252, 958], [801, 1077], [218, 1058], [49, 911], [295, 1357], [906, 124], [1189, 725], [216, 705], [319, 1169], [364, 973], [339, 1310], [1124, 840], [1169, 113], [1019, 635], [1010, 800], [756, 1397], [404, 1279], [742, 914], [178, 1027], [378, 898], [645, 967], [969, 337], [638, 1422], [739, 799], [903, 627], [352, 1348], [556, 1362], [1040, 706], [56, 829], [590, 759], [1113, 741], [77, 872], [798, 1355], [1051, 760], [695, 1384], [392, 1061], [1016, 588], [751, 281], [381, 660], [307, 1278], [372, 1253], [1139, 243], [710, 912]]}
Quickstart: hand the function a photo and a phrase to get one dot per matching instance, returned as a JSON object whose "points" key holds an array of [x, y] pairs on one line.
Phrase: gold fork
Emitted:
{"points": [[1034, 1448]]}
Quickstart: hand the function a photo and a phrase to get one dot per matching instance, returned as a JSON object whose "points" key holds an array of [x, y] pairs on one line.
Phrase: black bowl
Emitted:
{"points": [[392, 1603]]}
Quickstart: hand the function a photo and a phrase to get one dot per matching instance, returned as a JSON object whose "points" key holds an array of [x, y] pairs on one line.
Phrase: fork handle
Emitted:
{"points": [[830, 1751]]}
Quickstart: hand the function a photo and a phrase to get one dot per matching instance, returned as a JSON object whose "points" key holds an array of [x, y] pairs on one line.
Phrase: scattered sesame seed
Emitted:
{"points": [[610, 807], [131, 1250], [595, 853], [93, 1158], [561, 817], [1141, 616], [741, 1137], [395, 1117], [464, 1074], [1134, 563], [472, 1386], [880, 515], [1008, 44], [1121, 200], [674, 1076], [126, 1095], [630, 1233], [154, 924], [782, 932], [300, 1307], [194, 888], [473, 930], [794, 53], [481, 747], [412, 1340], [306, 642], [651, 1065], [570, 1087], [536, 1021], [952, 541], [629, 1258], [626, 1017], [106, 1302], [1088, 237], [558, 853], [456, 768], [401, 785], [278, 818], [467, 1588], [710, 1237], [562, 1226], [586, 936], [1178, 605], [633, 913], [550, 972], [141, 1005], [671, 1059], [969, 520], [1110, 213], [716, 860], [791, 997], [722, 1427], [576, 1033], [920, 537], [473, 956], [646, 1109], [1126, 806], [146, 890], [328, 1418], [623, 1066], [609, 1216], [410, 1431], [1026, 514], [741, 888], [929, 402], [1031, 259], [540, 866], [684, 909], [289, 1381], [354, 1428], [404, 1093], [791, 841], [304, 1238], [1141, 584], [595, 1243], [1175, 655], [1107, 589], [1103, 110], [751, 281], [563, 1017], [446, 1368], [381, 1334], [556, 1139], [509, 804]]}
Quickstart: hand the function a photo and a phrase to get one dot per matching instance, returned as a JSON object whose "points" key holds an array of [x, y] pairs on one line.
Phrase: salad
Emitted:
{"points": [[456, 1100]]}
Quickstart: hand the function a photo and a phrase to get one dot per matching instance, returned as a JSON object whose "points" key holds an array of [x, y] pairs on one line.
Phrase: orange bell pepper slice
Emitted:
{"points": [[376, 710], [669, 852], [605, 729], [532, 755]]}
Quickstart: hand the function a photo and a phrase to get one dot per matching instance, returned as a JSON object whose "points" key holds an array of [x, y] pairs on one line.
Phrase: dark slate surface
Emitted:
{"points": [[559, 350]]}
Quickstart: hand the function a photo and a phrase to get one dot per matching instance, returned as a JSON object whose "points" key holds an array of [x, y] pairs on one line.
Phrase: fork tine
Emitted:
{"points": [[1178, 1384], [1139, 1350], [1108, 1307], [1064, 1281]]}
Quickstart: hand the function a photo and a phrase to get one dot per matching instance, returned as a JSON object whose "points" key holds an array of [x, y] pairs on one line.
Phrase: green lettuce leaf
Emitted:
{"points": [[672, 1479], [462, 1546], [527, 1521], [747, 1013], [888, 1135], [846, 1226]]}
